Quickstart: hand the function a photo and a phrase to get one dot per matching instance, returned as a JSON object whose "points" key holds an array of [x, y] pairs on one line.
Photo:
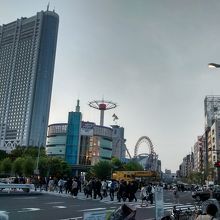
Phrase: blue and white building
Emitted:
{"points": [[81, 143]]}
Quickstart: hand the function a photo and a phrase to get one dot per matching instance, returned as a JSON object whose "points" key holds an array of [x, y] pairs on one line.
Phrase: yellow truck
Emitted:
{"points": [[136, 175]]}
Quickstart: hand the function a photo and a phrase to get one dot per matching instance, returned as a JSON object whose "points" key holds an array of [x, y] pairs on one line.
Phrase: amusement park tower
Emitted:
{"points": [[102, 105]]}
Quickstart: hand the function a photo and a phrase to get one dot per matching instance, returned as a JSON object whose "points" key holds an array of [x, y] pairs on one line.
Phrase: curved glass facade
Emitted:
{"points": [[56, 140]]}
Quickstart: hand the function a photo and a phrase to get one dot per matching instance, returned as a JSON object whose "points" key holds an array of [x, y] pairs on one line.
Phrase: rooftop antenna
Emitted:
{"points": [[78, 106], [48, 5]]}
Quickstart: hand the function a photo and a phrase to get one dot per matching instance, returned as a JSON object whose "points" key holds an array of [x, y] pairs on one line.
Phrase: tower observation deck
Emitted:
{"points": [[102, 105]]}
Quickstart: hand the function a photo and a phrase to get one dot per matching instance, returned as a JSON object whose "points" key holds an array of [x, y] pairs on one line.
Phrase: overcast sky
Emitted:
{"points": [[148, 56]]}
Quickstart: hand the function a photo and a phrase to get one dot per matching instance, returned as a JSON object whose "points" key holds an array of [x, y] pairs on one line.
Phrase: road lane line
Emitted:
{"points": [[85, 210], [60, 207], [72, 218], [53, 203], [29, 209], [20, 198]]}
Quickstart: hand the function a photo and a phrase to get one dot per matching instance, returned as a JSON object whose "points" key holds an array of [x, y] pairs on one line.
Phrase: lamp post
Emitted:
{"points": [[36, 171], [213, 65]]}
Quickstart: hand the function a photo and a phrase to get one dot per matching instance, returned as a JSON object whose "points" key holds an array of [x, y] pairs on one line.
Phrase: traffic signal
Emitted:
{"points": [[217, 164]]}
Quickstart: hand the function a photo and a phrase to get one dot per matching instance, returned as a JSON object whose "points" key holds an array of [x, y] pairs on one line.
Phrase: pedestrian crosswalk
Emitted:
{"points": [[168, 206]]}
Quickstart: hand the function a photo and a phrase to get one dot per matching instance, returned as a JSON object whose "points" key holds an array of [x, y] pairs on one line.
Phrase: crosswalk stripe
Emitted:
{"points": [[167, 205]]}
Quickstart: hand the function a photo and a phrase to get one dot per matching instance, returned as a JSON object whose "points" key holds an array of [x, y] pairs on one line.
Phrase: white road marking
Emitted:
{"points": [[73, 218], [29, 209], [54, 202], [29, 197], [85, 210], [60, 207]]}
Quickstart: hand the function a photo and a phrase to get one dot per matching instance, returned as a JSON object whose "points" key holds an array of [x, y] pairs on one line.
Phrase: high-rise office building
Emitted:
{"points": [[27, 56], [212, 109]]}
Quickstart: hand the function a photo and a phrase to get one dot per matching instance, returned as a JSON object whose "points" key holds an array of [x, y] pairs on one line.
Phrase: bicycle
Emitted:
{"points": [[179, 214]]}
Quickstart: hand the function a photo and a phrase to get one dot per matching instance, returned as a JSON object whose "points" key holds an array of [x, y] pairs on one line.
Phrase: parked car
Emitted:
{"points": [[200, 195], [205, 194], [216, 192]]}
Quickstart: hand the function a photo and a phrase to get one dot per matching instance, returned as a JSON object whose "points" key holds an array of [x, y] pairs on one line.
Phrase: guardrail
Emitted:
{"points": [[13, 186]]}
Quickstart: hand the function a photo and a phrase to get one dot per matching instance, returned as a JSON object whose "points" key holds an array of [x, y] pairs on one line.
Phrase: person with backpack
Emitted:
{"points": [[112, 190]]}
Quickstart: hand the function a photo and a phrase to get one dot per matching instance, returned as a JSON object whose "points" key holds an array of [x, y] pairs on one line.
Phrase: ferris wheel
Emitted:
{"points": [[151, 156]]}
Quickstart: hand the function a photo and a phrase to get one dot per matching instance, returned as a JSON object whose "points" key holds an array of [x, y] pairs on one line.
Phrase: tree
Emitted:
{"points": [[28, 166], [102, 169], [27, 151], [3, 154], [55, 167], [117, 164], [133, 166], [66, 169], [195, 177], [17, 166], [6, 166], [17, 152], [44, 166]]}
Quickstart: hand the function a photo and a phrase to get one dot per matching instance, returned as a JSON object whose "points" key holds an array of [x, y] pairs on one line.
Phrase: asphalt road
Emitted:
{"points": [[54, 206]]}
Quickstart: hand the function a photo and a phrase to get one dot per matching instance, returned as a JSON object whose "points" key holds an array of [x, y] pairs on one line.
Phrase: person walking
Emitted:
{"points": [[112, 190], [144, 196], [176, 196], [150, 192], [74, 191], [211, 211], [89, 189], [122, 191], [60, 185], [68, 185], [97, 189], [104, 188]]}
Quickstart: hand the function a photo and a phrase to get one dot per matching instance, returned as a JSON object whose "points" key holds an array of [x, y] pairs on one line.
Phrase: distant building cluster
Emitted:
{"points": [[82, 143], [205, 153]]}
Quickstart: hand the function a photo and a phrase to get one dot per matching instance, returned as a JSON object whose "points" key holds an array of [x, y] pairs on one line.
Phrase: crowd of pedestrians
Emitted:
{"points": [[116, 190], [96, 189]]}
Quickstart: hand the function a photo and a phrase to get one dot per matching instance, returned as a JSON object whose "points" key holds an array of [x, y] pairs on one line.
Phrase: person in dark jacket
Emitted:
{"points": [[97, 189]]}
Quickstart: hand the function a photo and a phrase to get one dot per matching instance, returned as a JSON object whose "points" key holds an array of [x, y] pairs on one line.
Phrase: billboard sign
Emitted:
{"points": [[87, 128]]}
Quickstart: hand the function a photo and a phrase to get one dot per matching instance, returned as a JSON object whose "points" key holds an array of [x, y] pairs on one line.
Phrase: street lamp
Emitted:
{"points": [[36, 171], [213, 65]]}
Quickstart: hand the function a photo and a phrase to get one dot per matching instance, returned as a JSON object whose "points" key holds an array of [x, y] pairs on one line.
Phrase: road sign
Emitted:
{"points": [[159, 204], [95, 215], [36, 172]]}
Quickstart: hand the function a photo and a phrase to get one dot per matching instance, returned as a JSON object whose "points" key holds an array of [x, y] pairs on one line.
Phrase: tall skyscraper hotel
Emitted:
{"points": [[27, 56]]}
